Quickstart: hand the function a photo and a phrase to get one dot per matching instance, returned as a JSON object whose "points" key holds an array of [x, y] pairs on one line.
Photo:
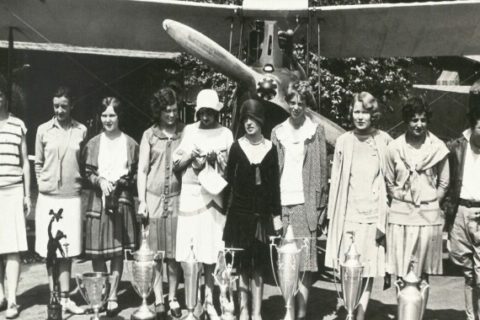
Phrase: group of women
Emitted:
{"points": [[386, 192]]}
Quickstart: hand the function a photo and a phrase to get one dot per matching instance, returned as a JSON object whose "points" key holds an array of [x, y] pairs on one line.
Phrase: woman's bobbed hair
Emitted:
{"points": [[413, 106], [369, 103], [304, 90]]}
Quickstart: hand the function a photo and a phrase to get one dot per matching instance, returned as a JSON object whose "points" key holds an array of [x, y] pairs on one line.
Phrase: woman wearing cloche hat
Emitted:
{"points": [[204, 146], [254, 210]]}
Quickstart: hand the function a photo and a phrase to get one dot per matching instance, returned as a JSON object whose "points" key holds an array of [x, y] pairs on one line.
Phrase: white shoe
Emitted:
{"points": [[12, 311], [70, 307]]}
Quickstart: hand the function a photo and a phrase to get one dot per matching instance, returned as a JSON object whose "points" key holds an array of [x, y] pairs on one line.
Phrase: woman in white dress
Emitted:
{"points": [[201, 221]]}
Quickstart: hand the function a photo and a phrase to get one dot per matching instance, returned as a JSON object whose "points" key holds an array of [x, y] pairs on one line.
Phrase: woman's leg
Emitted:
{"points": [[363, 303], [116, 270], [208, 270], [158, 285], [64, 272], [2, 278], [99, 264], [257, 296], [243, 288], [173, 275], [12, 272], [302, 295]]}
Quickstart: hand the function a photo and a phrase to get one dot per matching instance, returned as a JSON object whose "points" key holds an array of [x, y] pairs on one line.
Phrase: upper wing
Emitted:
{"points": [[414, 29], [133, 27], [130, 27]]}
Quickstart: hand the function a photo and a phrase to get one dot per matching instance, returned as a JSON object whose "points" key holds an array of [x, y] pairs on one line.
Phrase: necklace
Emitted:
{"points": [[256, 143]]}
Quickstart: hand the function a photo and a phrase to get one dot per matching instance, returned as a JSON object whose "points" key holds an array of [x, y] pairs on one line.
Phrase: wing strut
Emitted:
{"points": [[10, 69]]}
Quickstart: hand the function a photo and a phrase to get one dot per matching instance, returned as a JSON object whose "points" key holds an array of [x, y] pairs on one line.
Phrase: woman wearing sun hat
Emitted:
{"points": [[200, 221]]}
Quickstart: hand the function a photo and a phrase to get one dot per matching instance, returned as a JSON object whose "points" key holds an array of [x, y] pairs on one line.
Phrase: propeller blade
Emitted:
{"points": [[210, 52]]}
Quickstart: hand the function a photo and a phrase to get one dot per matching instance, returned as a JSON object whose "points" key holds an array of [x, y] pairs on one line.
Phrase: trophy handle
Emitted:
{"points": [[335, 274], [272, 244], [304, 247], [78, 278]]}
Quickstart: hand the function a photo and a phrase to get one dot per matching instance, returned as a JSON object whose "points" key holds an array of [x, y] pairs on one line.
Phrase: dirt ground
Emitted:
{"points": [[445, 303]]}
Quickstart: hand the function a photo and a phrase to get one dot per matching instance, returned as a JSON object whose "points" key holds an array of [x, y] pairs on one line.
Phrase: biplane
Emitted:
{"points": [[212, 32]]}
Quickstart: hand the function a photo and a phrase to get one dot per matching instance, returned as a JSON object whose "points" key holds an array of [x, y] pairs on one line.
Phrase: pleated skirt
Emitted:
{"points": [[108, 235], [423, 243], [70, 224], [13, 235], [372, 255]]}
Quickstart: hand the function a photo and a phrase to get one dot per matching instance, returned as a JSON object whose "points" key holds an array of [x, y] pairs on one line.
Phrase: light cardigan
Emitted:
{"points": [[315, 172], [339, 184]]}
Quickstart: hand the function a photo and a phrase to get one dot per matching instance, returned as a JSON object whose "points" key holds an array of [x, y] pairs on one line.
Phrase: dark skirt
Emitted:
{"points": [[163, 235], [250, 232], [108, 235]]}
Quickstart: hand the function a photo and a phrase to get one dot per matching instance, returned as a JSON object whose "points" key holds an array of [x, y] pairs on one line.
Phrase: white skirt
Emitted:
{"points": [[203, 231], [13, 235], [70, 224]]}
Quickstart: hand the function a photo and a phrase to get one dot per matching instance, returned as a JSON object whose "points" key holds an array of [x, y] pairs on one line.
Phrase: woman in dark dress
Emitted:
{"points": [[253, 200]]}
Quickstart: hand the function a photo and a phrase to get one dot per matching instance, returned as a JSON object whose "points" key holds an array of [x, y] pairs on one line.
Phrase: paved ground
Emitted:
{"points": [[446, 299]]}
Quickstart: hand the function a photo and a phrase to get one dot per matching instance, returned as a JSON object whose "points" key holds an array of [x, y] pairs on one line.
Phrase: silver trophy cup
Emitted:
{"points": [[142, 272], [95, 288], [289, 253], [351, 275], [191, 269]]}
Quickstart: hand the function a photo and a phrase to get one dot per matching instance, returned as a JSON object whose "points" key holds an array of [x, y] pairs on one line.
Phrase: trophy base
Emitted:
{"points": [[143, 315]]}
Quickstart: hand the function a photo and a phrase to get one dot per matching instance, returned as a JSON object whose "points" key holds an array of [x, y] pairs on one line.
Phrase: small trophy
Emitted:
{"points": [[224, 278], [142, 271], [289, 255], [95, 288], [191, 268], [412, 295], [351, 271]]}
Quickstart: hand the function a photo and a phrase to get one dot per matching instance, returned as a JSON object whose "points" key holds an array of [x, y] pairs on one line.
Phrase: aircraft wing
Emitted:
{"points": [[447, 28], [119, 27], [453, 89], [134, 27]]}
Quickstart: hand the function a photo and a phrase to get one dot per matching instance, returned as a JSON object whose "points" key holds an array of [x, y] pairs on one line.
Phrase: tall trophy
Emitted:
{"points": [[191, 269], [225, 279], [351, 271], [412, 296], [142, 272], [289, 253], [95, 288], [54, 308]]}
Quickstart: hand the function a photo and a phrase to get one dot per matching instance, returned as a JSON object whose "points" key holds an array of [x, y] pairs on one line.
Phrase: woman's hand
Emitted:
{"points": [[277, 225], [27, 205], [106, 186], [142, 209]]}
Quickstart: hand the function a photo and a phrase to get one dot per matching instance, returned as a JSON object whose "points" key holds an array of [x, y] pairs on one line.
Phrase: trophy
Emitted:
{"points": [[142, 272], [224, 278], [191, 268], [289, 255], [412, 296], [54, 308], [95, 288], [351, 271]]}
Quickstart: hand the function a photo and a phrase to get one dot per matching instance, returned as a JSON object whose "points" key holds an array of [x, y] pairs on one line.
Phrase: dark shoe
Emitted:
{"points": [[160, 311], [3, 305], [112, 308], [175, 309]]}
